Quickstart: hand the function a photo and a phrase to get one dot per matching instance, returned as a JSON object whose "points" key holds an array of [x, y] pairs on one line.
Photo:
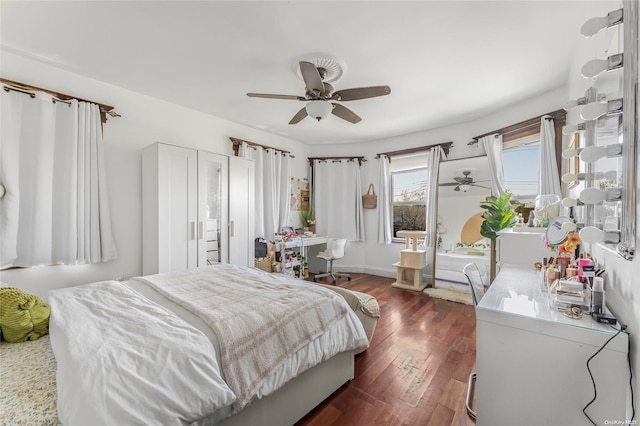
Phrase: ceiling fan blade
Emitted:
{"points": [[361, 93], [449, 184], [459, 179], [480, 186], [311, 76], [457, 188], [300, 115], [270, 96], [345, 113]]}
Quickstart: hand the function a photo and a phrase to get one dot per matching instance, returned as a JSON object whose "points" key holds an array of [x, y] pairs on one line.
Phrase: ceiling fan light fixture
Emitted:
{"points": [[464, 188], [318, 109]]}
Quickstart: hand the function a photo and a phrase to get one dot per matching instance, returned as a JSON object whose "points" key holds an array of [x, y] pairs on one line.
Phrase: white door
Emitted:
{"points": [[177, 204], [213, 172], [241, 211]]}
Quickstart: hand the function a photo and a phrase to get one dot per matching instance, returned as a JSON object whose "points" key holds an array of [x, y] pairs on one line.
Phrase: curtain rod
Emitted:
{"points": [[360, 159], [27, 88], [237, 142], [446, 146], [515, 131]]}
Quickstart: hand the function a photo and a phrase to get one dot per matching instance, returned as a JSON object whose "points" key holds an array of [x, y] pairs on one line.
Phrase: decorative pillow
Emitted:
{"points": [[23, 316]]}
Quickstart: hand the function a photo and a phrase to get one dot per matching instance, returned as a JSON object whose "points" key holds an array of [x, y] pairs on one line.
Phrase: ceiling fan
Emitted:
{"points": [[321, 98], [464, 183]]}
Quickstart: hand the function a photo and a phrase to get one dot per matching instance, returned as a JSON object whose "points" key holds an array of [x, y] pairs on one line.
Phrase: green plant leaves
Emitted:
{"points": [[498, 215]]}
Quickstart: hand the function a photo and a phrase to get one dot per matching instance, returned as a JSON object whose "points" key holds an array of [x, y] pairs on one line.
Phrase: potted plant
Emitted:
{"points": [[307, 219], [498, 215]]}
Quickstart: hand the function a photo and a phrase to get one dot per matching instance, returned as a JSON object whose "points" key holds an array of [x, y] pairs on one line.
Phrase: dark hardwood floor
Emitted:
{"points": [[416, 369]]}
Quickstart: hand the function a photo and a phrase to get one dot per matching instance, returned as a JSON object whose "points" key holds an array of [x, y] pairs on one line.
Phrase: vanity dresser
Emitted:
{"points": [[532, 359]]}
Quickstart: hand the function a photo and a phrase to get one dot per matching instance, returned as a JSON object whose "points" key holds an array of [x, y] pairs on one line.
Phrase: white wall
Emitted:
{"points": [[144, 120]]}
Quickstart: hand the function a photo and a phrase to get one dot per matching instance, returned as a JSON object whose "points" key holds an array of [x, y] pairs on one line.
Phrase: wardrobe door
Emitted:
{"points": [[213, 170], [170, 202], [241, 211]]}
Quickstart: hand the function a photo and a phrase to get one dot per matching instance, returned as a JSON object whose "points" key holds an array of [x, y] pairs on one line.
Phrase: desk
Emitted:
{"points": [[309, 248], [531, 359]]}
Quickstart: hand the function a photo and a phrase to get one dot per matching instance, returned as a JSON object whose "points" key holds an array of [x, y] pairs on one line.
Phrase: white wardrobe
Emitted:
{"points": [[197, 209]]}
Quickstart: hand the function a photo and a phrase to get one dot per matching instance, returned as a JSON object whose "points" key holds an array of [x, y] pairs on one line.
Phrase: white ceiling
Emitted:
{"points": [[445, 61]]}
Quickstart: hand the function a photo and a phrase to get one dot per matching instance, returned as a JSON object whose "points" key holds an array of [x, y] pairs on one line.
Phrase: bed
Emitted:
{"points": [[449, 265], [108, 374]]}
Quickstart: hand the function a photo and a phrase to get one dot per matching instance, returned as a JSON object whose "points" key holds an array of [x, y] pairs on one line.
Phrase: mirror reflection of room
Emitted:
{"points": [[463, 185]]}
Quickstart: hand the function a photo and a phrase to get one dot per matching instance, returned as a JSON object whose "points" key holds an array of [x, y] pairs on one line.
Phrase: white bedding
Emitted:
{"points": [[449, 265], [116, 352], [258, 322], [76, 386]]}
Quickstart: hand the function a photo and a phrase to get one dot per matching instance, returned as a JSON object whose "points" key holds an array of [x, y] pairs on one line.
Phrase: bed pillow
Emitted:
{"points": [[23, 316]]}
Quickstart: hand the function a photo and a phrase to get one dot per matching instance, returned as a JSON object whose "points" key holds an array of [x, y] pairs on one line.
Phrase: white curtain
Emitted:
{"points": [[55, 209], [432, 197], [338, 199], [385, 233], [548, 176], [492, 145], [272, 195]]}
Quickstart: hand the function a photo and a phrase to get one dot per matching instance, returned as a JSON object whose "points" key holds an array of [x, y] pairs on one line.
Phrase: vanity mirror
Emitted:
{"points": [[605, 128], [559, 229]]}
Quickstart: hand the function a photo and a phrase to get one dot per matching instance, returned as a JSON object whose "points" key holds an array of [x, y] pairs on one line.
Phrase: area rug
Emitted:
{"points": [[452, 295]]}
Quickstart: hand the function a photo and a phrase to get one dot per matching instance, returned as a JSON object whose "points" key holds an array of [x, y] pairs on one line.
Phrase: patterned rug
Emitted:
{"points": [[452, 295]]}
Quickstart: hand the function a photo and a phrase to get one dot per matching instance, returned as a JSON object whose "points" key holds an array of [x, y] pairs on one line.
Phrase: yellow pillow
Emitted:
{"points": [[23, 316]]}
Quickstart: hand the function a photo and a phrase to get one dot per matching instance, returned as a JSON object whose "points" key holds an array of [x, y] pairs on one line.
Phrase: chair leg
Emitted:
{"points": [[470, 392], [334, 275], [327, 274]]}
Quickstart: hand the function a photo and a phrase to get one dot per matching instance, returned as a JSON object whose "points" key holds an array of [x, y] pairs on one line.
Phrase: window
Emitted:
{"points": [[521, 165], [408, 199]]}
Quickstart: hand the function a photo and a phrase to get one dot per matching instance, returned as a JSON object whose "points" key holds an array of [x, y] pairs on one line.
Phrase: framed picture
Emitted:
{"points": [[574, 162], [299, 194], [287, 230]]}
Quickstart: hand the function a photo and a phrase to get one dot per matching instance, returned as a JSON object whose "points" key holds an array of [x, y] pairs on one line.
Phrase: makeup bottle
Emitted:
{"points": [[597, 295]]}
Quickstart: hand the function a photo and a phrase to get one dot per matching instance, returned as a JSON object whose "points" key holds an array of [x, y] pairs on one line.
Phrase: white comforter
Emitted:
{"points": [[111, 342], [123, 360]]}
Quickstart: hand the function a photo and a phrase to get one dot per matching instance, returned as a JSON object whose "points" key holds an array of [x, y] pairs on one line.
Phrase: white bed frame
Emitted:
{"points": [[299, 396]]}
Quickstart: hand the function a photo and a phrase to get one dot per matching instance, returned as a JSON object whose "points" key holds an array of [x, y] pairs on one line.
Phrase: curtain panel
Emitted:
{"points": [[431, 226], [55, 209], [272, 176], [492, 145], [337, 189], [385, 232], [548, 175]]}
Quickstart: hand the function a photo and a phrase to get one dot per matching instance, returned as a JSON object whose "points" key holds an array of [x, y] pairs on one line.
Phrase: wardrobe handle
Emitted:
{"points": [[192, 230], [231, 229], [200, 230]]}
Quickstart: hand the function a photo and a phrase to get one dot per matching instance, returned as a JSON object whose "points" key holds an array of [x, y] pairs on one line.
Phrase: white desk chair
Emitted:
{"points": [[477, 287], [335, 250]]}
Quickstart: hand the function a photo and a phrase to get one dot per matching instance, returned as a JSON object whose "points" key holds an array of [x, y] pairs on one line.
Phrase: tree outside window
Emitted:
{"points": [[409, 197]]}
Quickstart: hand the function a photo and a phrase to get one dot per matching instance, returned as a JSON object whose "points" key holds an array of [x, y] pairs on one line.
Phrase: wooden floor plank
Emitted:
{"points": [[416, 369]]}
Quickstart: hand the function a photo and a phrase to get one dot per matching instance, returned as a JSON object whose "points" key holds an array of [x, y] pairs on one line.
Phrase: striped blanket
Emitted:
{"points": [[259, 321]]}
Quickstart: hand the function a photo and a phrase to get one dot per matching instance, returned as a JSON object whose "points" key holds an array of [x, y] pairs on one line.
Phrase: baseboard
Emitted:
{"points": [[381, 272]]}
